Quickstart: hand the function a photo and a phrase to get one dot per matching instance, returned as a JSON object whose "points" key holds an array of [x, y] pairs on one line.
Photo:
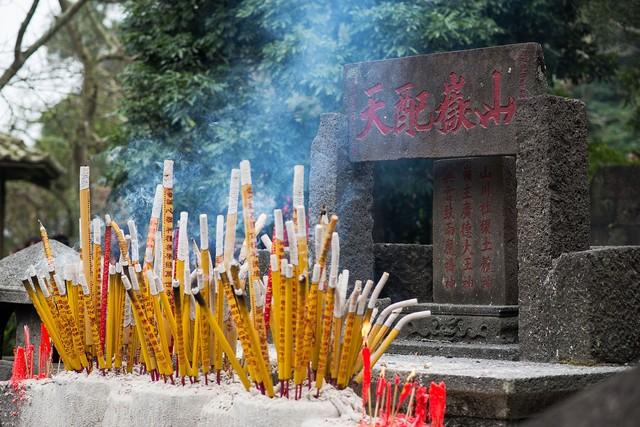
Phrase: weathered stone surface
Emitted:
{"points": [[589, 308], [410, 96], [552, 200], [346, 189], [263, 261], [612, 403], [479, 390], [410, 270], [6, 367], [478, 324], [14, 267], [10, 405], [424, 347], [474, 229], [615, 206], [26, 315], [71, 399]]}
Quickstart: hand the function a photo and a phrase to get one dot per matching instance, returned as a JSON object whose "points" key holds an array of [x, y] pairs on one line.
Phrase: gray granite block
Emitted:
{"points": [[346, 189], [611, 403], [589, 304], [552, 200], [484, 392]]}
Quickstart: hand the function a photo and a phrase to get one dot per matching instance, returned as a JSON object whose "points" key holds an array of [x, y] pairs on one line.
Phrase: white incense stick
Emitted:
{"points": [[183, 242], [293, 243], [376, 291], [95, 228], [278, 224], [219, 236], [400, 304], [298, 185], [204, 232], [266, 241], [167, 174]]}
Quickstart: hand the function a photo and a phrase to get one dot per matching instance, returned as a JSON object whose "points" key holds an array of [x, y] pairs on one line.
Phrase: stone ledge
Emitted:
{"points": [[497, 392], [450, 349]]}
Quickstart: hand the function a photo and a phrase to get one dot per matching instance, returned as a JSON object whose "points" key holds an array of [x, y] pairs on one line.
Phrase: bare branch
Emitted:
{"points": [[17, 51], [58, 23]]}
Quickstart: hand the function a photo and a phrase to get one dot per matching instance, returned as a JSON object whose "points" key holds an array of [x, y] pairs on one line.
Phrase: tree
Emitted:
{"points": [[21, 55], [77, 129], [214, 82]]}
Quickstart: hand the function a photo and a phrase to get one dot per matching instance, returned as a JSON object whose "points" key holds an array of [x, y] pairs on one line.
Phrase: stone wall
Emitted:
{"points": [[588, 308], [615, 206], [410, 269]]}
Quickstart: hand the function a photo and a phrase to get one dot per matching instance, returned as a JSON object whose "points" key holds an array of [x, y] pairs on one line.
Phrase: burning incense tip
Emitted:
{"points": [[366, 328]]}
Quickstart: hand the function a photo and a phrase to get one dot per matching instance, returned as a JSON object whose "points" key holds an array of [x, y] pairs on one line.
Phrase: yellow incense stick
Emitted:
{"points": [[348, 337], [167, 231], [288, 320], [226, 348], [88, 303], [328, 312], [392, 336], [51, 327], [310, 320], [250, 237], [241, 325], [85, 231]]}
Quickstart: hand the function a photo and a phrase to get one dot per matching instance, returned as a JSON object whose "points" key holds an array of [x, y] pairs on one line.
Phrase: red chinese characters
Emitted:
{"points": [[486, 245], [467, 228], [408, 111], [449, 281], [370, 114], [453, 113], [454, 108]]}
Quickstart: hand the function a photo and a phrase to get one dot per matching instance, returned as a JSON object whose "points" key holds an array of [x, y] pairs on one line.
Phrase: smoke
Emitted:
{"points": [[267, 109]]}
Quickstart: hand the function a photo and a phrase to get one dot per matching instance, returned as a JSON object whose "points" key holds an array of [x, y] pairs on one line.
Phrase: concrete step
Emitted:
{"points": [[484, 392], [459, 349]]}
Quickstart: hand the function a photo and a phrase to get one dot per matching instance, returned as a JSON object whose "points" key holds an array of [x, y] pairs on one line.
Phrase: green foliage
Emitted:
{"points": [[214, 82]]}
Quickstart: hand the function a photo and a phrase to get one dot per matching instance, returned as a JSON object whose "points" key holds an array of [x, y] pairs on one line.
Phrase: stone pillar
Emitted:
{"points": [[552, 203], [26, 315], [346, 189]]}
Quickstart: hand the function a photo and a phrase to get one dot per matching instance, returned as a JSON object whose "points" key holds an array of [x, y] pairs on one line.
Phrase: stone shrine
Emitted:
{"points": [[511, 274]]}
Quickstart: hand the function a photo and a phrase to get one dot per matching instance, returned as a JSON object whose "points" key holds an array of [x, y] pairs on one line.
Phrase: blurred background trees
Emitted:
{"points": [[211, 82]]}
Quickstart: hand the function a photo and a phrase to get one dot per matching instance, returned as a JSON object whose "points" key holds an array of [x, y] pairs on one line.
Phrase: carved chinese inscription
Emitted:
{"points": [[474, 249], [443, 105]]}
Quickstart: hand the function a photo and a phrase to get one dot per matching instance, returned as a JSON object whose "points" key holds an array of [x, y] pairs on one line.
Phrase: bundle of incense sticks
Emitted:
{"points": [[399, 404], [181, 311]]}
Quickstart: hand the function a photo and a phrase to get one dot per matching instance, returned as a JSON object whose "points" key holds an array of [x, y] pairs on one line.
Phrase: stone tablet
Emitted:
{"points": [[474, 231], [454, 104]]}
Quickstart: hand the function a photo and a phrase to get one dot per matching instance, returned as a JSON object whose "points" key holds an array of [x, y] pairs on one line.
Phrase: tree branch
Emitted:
{"points": [[22, 57], [17, 51]]}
